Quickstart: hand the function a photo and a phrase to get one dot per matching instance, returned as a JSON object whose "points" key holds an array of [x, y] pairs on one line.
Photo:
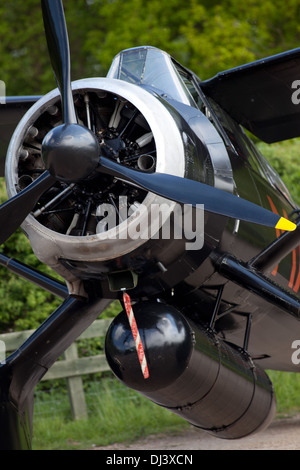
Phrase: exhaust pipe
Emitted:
{"points": [[213, 385], [146, 163]]}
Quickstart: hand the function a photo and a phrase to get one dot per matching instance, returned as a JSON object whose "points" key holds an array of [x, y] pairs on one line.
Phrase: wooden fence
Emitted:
{"points": [[71, 367]]}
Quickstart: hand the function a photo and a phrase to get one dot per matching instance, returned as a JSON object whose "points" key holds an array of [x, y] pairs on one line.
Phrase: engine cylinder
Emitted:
{"points": [[192, 372]]}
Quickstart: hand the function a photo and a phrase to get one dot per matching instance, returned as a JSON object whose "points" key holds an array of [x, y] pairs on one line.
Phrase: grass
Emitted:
{"points": [[286, 386], [118, 414]]}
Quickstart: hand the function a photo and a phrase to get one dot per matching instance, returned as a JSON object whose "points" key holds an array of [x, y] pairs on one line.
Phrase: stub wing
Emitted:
{"points": [[263, 96]]}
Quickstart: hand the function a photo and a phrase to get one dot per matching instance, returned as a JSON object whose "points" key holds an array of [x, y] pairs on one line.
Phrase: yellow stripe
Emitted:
{"points": [[284, 224]]}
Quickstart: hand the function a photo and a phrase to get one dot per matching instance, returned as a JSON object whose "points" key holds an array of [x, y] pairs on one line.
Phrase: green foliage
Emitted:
{"points": [[24, 59], [285, 159], [206, 36]]}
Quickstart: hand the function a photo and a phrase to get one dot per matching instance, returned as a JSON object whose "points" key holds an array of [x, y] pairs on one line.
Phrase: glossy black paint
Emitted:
{"points": [[70, 152], [268, 258], [191, 278], [186, 191], [252, 280], [258, 95], [16, 209], [193, 373], [25, 367], [36, 277], [167, 339], [58, 46]]}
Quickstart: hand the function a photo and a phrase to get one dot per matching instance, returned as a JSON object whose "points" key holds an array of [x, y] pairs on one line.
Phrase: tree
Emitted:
{"points": [[207, 36]]}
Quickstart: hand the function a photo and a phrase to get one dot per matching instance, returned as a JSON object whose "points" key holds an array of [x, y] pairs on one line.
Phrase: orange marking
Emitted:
{"points": [[278, 232], [297, 285], [294, 254], [275, 212], [293, 272], [274, 272], [294, 260]]}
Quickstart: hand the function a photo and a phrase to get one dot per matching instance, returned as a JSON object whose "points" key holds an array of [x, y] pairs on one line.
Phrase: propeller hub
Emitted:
{"points": [[70, 152]]}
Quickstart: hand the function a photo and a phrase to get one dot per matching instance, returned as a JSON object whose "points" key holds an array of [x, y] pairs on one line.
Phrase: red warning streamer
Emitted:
{"points": [[136, 335]]}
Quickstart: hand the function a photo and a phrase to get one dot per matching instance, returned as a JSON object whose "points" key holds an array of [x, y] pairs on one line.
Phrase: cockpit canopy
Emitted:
{"points": [[149, 66]]}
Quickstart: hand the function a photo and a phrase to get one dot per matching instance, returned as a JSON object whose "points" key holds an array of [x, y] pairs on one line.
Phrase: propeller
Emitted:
{"points": [[71, 153], [191, 192], [59, 51], [16, 209]]}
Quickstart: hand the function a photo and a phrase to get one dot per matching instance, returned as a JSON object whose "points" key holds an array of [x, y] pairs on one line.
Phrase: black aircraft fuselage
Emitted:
{"points": [[210, 284]]}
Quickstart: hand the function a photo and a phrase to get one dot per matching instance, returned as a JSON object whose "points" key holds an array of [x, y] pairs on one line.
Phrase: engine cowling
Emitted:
{"points": [[68, 230], [134, 128]]}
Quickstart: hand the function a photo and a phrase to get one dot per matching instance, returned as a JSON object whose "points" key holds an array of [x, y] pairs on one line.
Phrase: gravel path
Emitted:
{"points": [[282, 434]]}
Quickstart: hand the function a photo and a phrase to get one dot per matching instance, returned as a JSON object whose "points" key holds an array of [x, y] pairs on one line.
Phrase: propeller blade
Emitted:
{"points": [[59, 51], [15, 210], [187, 191], [70, 151], [62, 141]]}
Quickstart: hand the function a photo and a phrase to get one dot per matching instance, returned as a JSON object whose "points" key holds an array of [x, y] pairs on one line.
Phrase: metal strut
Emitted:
{"points": [[216, 307], [215, 317]]}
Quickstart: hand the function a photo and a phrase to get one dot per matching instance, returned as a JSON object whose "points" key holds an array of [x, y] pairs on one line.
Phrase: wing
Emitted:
{"points": [[259, 95], [10, 114]]}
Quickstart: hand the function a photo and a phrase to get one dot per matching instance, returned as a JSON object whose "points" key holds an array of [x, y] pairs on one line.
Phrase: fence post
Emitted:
{"points": [[75, 388], [71, 367], [2, 351]]}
